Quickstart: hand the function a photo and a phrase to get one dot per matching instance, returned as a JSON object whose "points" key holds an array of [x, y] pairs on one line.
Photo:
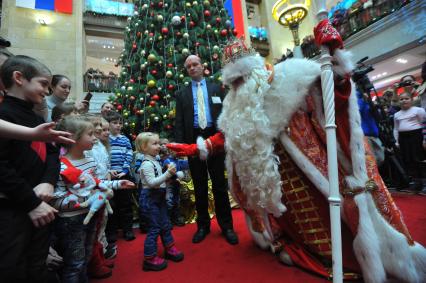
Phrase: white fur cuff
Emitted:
{"points": [[201, 145]]}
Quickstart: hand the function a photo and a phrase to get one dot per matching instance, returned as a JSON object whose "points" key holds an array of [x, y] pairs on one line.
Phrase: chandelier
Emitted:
{"points": [[290, 14]]}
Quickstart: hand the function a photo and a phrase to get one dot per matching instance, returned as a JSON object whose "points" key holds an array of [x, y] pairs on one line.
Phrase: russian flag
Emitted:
{"points": [[60, 6], [236, 13]]}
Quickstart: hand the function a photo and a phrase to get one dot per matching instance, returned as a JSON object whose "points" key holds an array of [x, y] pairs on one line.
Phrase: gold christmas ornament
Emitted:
{"points": [[151, 83], [152, 58]]}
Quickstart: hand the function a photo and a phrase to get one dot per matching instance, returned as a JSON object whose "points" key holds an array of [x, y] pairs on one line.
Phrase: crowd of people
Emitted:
{"points": [[63, 203]]}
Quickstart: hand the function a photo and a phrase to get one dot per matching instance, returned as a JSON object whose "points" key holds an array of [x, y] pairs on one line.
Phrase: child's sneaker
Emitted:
{"points": [[111, 251], [173, 254], [154, 264]]}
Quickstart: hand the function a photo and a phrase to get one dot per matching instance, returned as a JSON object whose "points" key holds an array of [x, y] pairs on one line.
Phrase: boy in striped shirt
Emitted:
{"points": [[121, 157]]}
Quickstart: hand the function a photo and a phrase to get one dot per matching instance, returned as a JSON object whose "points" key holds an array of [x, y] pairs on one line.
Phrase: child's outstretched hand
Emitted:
{"points": [[45, 132], [126, 184]]}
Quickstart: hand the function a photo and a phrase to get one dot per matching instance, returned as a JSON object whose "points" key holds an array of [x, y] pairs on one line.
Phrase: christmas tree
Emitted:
{"points": [[158, 38]]}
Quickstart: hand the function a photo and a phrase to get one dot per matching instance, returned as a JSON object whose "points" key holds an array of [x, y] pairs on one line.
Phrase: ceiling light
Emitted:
{"points": [[374, 77], [401, 61], [384, 73], [104, 46], [113, 47], [42, 22]]}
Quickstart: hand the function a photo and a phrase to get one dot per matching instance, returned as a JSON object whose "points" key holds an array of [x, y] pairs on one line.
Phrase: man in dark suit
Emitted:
{"points": [[197, 109]]}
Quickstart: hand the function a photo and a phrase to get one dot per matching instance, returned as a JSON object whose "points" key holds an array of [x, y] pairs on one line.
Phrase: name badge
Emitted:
{"points": [[216, 99]]}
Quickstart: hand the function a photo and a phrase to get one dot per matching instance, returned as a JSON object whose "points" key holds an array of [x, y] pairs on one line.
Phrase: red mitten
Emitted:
{"points": [[326, 34], [183, 149]]}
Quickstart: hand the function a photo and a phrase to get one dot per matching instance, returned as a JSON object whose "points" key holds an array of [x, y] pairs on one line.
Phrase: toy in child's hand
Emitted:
{"points": [[85, 184], [95, 202]]}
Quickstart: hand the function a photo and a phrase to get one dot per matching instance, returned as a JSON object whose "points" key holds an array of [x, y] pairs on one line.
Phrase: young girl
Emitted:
{"points": [[408, 134], [100, 150], [99, 267], [74, 239], [155, 206]]}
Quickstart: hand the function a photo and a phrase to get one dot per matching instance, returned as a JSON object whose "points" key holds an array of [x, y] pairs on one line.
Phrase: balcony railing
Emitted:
{"points": [[97, 81], [359, 16]]}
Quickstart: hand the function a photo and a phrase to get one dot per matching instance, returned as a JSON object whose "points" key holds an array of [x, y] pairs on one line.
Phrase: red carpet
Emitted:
{"points": [[214, 260]]}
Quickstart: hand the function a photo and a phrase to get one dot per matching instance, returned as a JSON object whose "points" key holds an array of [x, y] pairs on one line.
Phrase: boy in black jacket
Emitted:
{"points": [[28, 173]]}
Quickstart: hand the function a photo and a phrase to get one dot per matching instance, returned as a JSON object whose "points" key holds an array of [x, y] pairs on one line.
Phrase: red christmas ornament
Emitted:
{"points": [[223, 32], [234, 31], [218, 20], [206, 72], [169, 127], [191, 24], [138, 34], [164, 30], [119, 107], [134, 136], [152, 4], [207, 13], [138, 112], [215, 56], [155, 97], [178, 34], [151, 34], [182, 18], [197, 44], [170, 65], [131, 81], [152, 103], [170, 87], [154, 72], [160, 4]]}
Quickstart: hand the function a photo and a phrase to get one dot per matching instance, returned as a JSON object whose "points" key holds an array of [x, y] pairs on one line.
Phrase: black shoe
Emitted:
{"points": [[180, 221], [129, 235], [230, 236], [200, 235]]}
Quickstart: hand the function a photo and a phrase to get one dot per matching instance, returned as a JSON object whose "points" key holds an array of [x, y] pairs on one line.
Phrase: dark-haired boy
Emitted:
{"points": [[28, 172], [121, 158]]}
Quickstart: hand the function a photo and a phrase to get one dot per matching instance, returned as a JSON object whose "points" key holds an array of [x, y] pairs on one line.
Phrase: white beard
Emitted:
{"points": [[249, 143]]}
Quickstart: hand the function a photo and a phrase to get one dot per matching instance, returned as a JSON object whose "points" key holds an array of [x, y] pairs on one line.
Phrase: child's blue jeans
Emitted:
{"points": [[75, 242], [154, 205]]}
